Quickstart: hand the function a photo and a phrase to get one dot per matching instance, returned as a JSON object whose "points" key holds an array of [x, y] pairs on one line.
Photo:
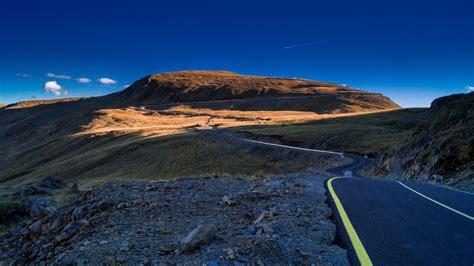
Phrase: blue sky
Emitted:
{"points": [[412, 51]]}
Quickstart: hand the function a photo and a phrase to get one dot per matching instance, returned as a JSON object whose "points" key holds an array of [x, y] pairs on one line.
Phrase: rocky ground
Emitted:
{"points": [[211, 221]]}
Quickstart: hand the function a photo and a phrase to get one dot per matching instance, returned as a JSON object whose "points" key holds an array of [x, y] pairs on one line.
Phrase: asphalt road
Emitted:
{"points": [[402, 223], [383, 222]]}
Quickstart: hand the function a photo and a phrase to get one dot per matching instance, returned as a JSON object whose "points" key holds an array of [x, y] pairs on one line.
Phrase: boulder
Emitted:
{"points": [[229, 200], [37, 206], [199, 236]]}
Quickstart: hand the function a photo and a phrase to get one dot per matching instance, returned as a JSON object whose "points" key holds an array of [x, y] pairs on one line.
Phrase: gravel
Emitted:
{"points": [[208, 220]]}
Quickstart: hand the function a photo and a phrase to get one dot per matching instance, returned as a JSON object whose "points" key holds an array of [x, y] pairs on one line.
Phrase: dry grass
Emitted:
{"points": [[368, 133], [96, 140], [183, 118], [134, 157], [138, 143], [133, 143], [31, 103]]}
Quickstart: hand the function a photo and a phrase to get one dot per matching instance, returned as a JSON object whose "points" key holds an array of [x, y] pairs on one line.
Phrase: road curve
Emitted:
{"points": [[382, 222], [404, 223]]}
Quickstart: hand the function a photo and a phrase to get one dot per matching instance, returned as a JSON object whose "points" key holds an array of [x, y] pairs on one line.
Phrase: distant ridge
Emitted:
{"points": [[31, 103]]}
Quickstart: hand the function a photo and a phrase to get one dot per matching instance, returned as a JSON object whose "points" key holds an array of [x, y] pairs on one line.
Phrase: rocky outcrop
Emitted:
{"points": [[442, 144], [277, 220], [32, 201]]}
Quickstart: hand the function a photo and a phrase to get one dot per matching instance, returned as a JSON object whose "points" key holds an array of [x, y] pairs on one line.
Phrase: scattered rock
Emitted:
{"points": [[130, 223], [230, 201], [230, 253], [124, 246], [264, 229], [168, 249], [38, 206], [200, 235]]}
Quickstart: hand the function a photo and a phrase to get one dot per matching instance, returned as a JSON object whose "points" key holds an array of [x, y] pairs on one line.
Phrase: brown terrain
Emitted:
{"points": [[31, 103], [86, 139], [144, 175], [237, 200]]}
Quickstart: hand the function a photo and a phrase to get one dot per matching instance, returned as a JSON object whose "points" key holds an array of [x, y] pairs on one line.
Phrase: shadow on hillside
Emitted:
{"points": [[364, 134]]}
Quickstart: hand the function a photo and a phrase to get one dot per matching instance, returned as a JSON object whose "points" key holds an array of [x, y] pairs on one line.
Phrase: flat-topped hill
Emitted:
{"points": [[98, 139], [207, 86]]}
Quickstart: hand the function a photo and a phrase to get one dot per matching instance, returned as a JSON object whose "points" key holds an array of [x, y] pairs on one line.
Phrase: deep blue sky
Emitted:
{"points": [[412, 51]]}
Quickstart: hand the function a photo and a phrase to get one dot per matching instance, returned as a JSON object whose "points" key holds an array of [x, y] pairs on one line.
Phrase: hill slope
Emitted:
{"points": [[31, 103], [206, 86], [102, 138], [442, 143]]}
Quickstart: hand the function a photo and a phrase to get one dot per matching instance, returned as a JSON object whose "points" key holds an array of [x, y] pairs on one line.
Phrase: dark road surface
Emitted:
{"points": [[397, 226], [382, 222]]}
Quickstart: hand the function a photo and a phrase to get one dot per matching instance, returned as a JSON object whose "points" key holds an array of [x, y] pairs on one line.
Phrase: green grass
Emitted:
{"points": [[96, 160], [132, 157], [361, 134]]}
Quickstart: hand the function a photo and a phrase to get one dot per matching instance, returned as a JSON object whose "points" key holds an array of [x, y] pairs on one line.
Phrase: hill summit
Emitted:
{"points": [[198, 86], [99, 138]]}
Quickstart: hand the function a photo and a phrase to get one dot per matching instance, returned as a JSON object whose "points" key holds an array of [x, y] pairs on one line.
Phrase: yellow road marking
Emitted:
{"points": [[362, 255], [437, 202]]}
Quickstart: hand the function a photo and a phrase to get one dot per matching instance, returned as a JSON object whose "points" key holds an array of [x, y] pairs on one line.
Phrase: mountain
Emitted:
{"points": [[224, 88], [152, 129], [442, 143]]}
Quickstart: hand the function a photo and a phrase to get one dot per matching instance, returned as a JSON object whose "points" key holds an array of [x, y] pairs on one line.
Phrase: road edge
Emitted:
{"points": [[360, 251]]}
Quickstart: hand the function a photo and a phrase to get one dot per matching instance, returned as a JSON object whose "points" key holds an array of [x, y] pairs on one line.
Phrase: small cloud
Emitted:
{"points": [[345, 85], [52, 75], [126, 86], [107, 81], [54, 88], [469, 88], [83, 80], [23, 75]]}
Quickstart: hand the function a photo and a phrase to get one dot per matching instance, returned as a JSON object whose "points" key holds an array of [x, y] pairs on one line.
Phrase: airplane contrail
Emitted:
{"points": [[303, 44]]}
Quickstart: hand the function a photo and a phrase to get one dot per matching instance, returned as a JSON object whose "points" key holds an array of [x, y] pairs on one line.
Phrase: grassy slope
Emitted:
{"points": [[90, 140], [31, 103], [442, 144], [362, 134], [132, 157]]}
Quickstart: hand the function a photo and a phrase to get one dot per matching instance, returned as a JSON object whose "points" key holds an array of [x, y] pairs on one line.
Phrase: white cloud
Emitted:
{"points": [[23, 75], [107, 81], [83, 80], [469, 88], [54, 88], [126, 86], [52, 75]]}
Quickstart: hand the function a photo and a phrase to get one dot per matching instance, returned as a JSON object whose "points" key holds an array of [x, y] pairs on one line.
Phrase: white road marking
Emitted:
{"points": [[437, 202], [289, 147], [450, 188], [341, 154]]}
